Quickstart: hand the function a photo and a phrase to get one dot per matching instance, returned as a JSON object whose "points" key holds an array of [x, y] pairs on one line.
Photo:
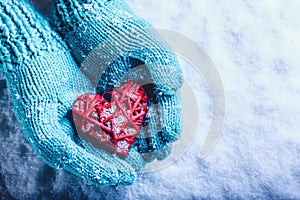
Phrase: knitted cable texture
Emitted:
{"points": [[42, 75], [120, 41]]}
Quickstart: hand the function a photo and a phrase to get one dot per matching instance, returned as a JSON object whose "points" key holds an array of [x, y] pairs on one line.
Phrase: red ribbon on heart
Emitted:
{"points": [[111, 125]]}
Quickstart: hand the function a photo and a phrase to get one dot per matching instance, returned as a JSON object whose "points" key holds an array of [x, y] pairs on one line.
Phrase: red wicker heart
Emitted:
{"points": [[111, 125]]}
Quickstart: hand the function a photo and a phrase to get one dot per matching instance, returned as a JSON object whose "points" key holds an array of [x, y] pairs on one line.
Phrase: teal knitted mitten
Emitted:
{"points": [[42, 75], [118, 41]]}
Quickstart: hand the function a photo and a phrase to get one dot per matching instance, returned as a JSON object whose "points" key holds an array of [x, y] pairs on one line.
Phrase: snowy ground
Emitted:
{"points": [[255, 46]]}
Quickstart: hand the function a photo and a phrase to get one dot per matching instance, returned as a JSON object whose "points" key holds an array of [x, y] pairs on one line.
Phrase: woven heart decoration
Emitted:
{"points": [[113, 120]]}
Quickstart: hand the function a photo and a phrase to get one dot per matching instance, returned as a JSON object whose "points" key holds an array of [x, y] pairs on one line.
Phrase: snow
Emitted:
{"points": [[255, 46]]}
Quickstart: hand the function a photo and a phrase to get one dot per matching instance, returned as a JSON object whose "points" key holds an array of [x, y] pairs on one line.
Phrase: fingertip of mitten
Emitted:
{"points": [[149, 157], [164, 153], [167, 79], [171, 135], [170, 109], [135, 159]]}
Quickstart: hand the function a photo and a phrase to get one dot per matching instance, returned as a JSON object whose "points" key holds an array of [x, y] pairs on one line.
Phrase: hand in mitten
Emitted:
{"points": [[108, 40], [42, 77]]}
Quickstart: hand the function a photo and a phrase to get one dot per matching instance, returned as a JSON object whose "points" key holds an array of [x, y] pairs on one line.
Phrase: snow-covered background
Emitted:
{"points": [[255, 46]]}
